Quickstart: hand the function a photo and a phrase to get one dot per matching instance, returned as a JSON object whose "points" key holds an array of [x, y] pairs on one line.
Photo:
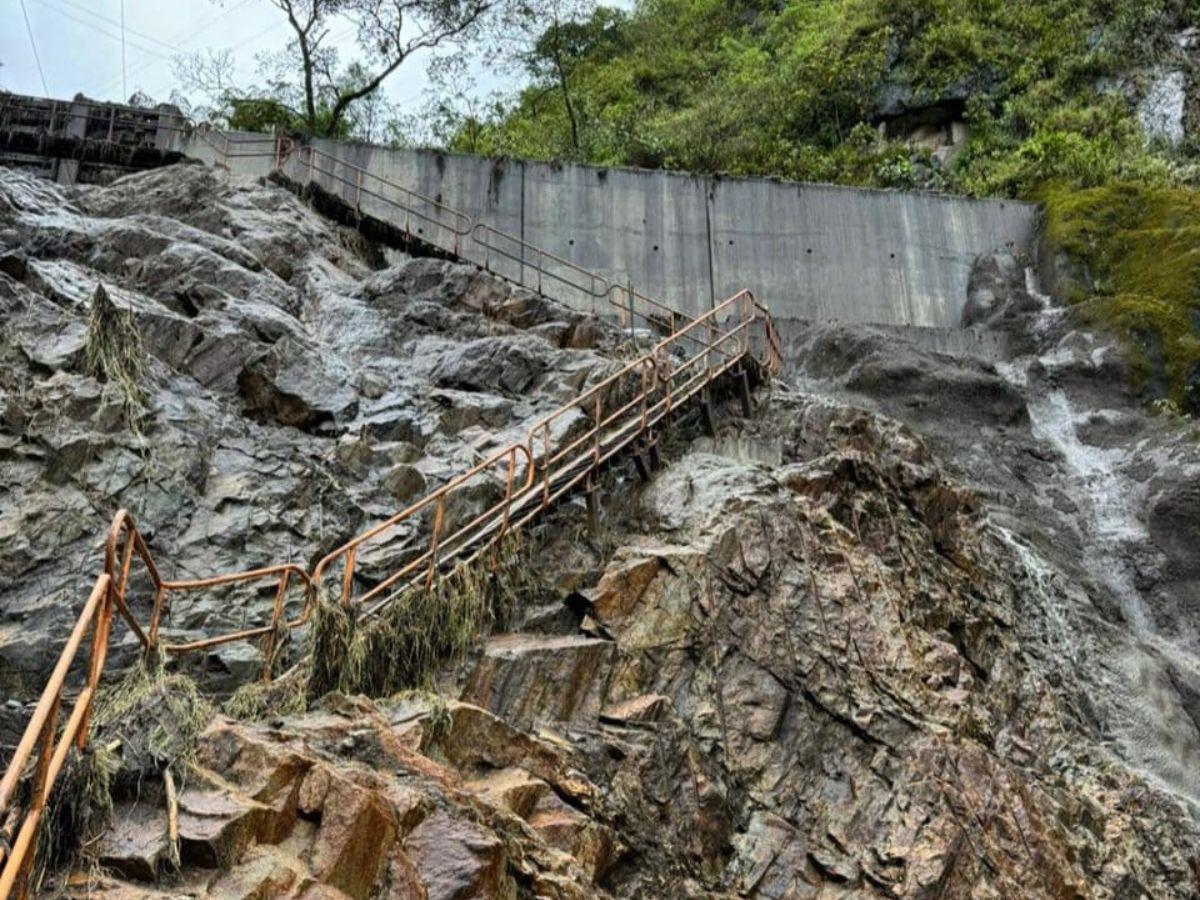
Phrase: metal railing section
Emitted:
{"points": [[561, 450], [108, 598], [502, 253]]}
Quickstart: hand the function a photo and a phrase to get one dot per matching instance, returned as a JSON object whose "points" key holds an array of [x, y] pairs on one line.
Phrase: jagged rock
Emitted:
{"points": [[646, 708], [216, 825], [459, 859], [927, 385], [342, 803], [526, 678], [296, 385], [405, 482], [268, 340], [509, 364], [135, 845], [822, 670]]}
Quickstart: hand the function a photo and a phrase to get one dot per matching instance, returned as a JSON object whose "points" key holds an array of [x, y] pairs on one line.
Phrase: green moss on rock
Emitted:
{"points": [[1136, 251]]}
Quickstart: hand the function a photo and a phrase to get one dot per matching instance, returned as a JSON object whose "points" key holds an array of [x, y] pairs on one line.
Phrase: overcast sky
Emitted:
{"points": [[79, 43]]}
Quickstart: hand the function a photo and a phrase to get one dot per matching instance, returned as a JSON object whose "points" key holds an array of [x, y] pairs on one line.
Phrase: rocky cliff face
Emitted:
{"points": [[870, 641], [822, 677], [297, 389]]}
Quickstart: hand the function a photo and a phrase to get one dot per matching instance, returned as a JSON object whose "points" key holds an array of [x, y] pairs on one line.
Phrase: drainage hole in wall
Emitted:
{"points": [[731, 243], [656, 248], [571, 242]]}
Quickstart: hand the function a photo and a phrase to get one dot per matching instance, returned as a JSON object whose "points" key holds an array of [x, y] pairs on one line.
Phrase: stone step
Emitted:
{"points": [[135, 844], [558, 823], [532, 679]]}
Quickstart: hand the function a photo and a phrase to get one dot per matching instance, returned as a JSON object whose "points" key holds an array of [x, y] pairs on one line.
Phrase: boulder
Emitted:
{"points": [[508, 364]]}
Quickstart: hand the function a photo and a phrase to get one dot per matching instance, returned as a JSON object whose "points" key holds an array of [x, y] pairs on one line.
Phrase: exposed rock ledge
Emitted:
{"points": [[801, 680]]}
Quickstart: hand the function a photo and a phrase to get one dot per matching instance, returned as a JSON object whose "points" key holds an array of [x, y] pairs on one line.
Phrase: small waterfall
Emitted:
{"points": [[1107, 499], [1106, 496], [1039, 578]]}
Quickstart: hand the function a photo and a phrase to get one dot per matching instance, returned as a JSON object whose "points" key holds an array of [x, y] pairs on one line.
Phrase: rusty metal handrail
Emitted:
{"points": [[561, 469], [476, 241], [554, 470], [107, 599], [43, 729]]}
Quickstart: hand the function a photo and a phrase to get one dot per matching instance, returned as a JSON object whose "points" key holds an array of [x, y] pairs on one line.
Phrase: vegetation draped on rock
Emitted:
{"points": [[147, 723], [114, 353], [419, 628]]}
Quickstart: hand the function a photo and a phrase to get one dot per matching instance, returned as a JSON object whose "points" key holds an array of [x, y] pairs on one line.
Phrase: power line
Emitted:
{"points": [[190, 36], [108, 20], [124, 86], [33, 44], [103, 31]]}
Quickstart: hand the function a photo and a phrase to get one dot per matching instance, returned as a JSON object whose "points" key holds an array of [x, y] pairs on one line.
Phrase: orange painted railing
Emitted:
{"points": [[108, 598], [558, 454]]}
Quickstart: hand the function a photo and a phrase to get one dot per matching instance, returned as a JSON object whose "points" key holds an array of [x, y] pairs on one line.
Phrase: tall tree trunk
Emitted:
{"points": [[562, 83], [310, 105]]}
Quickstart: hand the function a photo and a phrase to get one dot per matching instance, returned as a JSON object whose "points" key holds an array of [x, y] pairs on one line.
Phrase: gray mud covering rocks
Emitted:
{"points": [[245, 379]]}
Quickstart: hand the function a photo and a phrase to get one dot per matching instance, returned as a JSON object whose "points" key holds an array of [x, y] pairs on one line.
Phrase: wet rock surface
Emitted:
{"points": [[1090, 487], [826, 677], [292, 392], [920, 627]]}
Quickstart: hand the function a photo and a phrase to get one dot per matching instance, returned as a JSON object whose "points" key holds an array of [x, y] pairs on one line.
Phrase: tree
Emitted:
{"points": [[207, 86], [387, 33], [567, 42], [548, 40]]}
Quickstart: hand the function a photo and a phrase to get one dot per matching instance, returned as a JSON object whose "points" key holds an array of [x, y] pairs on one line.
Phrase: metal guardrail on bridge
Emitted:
{"points": [[558, 454]]}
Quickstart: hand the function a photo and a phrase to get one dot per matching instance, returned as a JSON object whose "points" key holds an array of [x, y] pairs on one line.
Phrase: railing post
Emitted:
{"points": [[546, 465], [645, 395], [438, 513], [348, 575], [508, 487], [709, 350], [667, 381], [272, 641], [629, 289], [155, 617], [101, 625], [37, 799], [596, 436]]}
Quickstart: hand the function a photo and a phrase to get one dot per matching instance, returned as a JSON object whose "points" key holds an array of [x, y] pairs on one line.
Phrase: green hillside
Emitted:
{"points": [[815, 90]]}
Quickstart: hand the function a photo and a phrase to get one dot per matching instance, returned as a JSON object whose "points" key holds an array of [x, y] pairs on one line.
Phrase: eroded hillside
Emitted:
{"points": [[800, 660]]}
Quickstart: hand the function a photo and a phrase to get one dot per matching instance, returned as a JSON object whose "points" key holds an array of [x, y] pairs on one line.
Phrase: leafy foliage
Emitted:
{"points": [[797, 89]]}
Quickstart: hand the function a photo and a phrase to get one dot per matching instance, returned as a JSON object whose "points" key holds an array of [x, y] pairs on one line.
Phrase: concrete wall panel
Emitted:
{"points": [[808, 251], [631, 227]]}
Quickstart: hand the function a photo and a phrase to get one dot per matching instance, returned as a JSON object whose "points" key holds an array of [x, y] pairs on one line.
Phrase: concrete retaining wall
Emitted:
{"points": [[809, 251]]}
